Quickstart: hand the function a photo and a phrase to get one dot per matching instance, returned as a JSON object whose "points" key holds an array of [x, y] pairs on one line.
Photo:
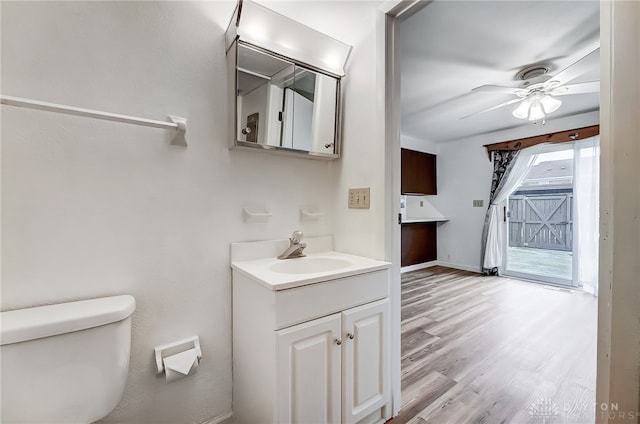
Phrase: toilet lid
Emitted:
{"points": [[43, 321]]}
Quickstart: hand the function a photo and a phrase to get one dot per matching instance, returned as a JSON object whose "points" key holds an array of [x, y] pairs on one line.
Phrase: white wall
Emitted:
{"points": [[464, 174], [93, 208], [419, 207], [361, 231], [412, 143], [357, 231]]}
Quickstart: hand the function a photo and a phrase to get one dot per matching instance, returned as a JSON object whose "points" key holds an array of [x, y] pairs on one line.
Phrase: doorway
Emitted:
{"points": [[619, 144], [552, 217], [395, 122]]}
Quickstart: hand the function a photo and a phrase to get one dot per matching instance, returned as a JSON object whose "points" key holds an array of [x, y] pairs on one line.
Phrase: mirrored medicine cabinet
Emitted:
{"points": [[281, 104]]}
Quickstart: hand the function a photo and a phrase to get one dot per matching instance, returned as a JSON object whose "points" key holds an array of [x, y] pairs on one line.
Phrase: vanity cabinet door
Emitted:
{"points": [[309, 371], [365, 332]]}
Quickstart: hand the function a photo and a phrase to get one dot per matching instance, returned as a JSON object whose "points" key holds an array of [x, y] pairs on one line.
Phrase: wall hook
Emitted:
{"points": [[180, 138]]}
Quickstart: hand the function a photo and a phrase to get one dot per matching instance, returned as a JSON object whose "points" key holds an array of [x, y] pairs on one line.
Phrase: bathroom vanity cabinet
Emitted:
{"points": [[316, 353], [343, 353]]}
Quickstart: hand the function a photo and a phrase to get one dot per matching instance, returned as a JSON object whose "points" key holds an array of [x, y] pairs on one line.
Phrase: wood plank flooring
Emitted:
{"points": [[479, 349]]}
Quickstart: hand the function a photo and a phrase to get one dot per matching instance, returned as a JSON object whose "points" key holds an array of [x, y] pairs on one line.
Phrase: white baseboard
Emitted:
{"points": [[219, 419], [418, 266], [460, 266], [439, 263]]}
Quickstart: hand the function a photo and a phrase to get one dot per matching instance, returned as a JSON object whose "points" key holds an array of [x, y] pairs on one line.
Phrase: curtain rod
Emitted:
{"points": [[557, 137], [177, 123]]}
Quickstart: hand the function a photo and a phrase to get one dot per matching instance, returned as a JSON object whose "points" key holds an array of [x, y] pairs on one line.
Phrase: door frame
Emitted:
{"points": [[388, 16]]}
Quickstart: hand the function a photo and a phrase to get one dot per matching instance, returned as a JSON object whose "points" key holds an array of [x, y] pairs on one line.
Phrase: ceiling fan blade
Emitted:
{"points": [[580, 88], [499, 89], [576, 69], [510, 102]]}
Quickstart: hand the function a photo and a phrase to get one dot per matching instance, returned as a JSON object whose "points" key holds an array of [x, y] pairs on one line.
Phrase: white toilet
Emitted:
{"points": [[65, 363]]}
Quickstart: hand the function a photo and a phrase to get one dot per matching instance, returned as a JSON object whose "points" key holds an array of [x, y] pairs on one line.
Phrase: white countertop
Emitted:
{"points": [[259, 270], [414, 220]]}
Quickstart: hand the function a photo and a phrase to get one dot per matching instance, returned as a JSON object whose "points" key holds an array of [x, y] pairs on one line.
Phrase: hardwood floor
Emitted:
{"points": [[481, 349]]}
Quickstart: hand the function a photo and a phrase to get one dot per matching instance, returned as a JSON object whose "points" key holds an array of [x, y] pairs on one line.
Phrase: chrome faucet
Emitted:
{"points": [[295, 247]]}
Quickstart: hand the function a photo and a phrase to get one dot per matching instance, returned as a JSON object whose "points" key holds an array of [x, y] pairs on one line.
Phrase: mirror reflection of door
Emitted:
{"points": [[251, 131], [309, 112], [298, 111], [258, 98], [296, 122], [284, 105]]}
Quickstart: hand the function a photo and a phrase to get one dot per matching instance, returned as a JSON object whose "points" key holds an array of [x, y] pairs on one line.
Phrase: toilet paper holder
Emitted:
{"points": [[176, 347]]}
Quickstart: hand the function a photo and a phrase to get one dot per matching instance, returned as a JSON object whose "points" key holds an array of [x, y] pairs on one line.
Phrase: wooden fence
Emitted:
{"points": [[543, 221]]}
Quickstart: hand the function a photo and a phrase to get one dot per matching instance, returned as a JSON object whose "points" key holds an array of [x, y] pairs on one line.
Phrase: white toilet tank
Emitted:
{"points": [[65, 363]]}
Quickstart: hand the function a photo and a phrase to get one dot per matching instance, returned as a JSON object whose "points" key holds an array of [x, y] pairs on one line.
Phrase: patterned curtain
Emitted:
{"points": [[502, 164]]}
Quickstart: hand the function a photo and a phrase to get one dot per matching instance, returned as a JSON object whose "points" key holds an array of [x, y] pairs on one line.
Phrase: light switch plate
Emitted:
{"points": [[359, 198], [478, 203]]}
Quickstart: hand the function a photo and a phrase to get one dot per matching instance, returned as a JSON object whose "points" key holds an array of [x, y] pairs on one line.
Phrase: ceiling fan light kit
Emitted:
{"points": [[538, 91], [536, 105]]}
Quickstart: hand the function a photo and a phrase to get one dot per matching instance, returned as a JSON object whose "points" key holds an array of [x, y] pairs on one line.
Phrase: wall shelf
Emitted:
{"points": [[250, 216], [310, 215]]}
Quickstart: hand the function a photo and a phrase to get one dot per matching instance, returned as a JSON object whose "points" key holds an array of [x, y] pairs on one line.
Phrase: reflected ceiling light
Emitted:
{"points": [[536, 105], [332, 60], [258, 32], [259, 26]]}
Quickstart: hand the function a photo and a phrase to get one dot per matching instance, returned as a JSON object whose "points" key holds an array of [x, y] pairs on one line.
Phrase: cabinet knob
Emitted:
{"points": [[350, 336], [338, 342]]}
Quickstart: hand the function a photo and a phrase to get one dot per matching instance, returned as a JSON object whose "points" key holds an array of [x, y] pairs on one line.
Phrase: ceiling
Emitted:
{"points": [[450, 47]]}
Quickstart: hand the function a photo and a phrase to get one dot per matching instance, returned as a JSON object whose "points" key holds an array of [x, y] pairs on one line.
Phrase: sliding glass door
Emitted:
{"points": [[551, 215]]}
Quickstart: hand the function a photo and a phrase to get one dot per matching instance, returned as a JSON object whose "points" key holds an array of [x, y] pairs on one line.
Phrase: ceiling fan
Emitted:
{"points": [[537, 94]]}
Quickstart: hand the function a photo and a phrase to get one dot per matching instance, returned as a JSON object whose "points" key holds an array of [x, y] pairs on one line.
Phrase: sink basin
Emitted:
{"points": [[309, 265], [257, 261]]}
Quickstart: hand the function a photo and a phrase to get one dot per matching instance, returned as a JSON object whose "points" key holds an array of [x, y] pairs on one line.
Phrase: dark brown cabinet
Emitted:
{"points": [[418, 173], [419, 243]]}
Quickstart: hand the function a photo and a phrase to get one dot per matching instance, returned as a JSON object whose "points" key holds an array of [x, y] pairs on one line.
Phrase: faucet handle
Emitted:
{"points": [[296, 236]]}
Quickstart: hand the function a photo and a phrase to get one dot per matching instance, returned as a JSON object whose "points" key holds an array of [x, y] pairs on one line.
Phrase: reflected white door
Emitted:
{"points": [[297, 124], [309, 372], [365, 359]]}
